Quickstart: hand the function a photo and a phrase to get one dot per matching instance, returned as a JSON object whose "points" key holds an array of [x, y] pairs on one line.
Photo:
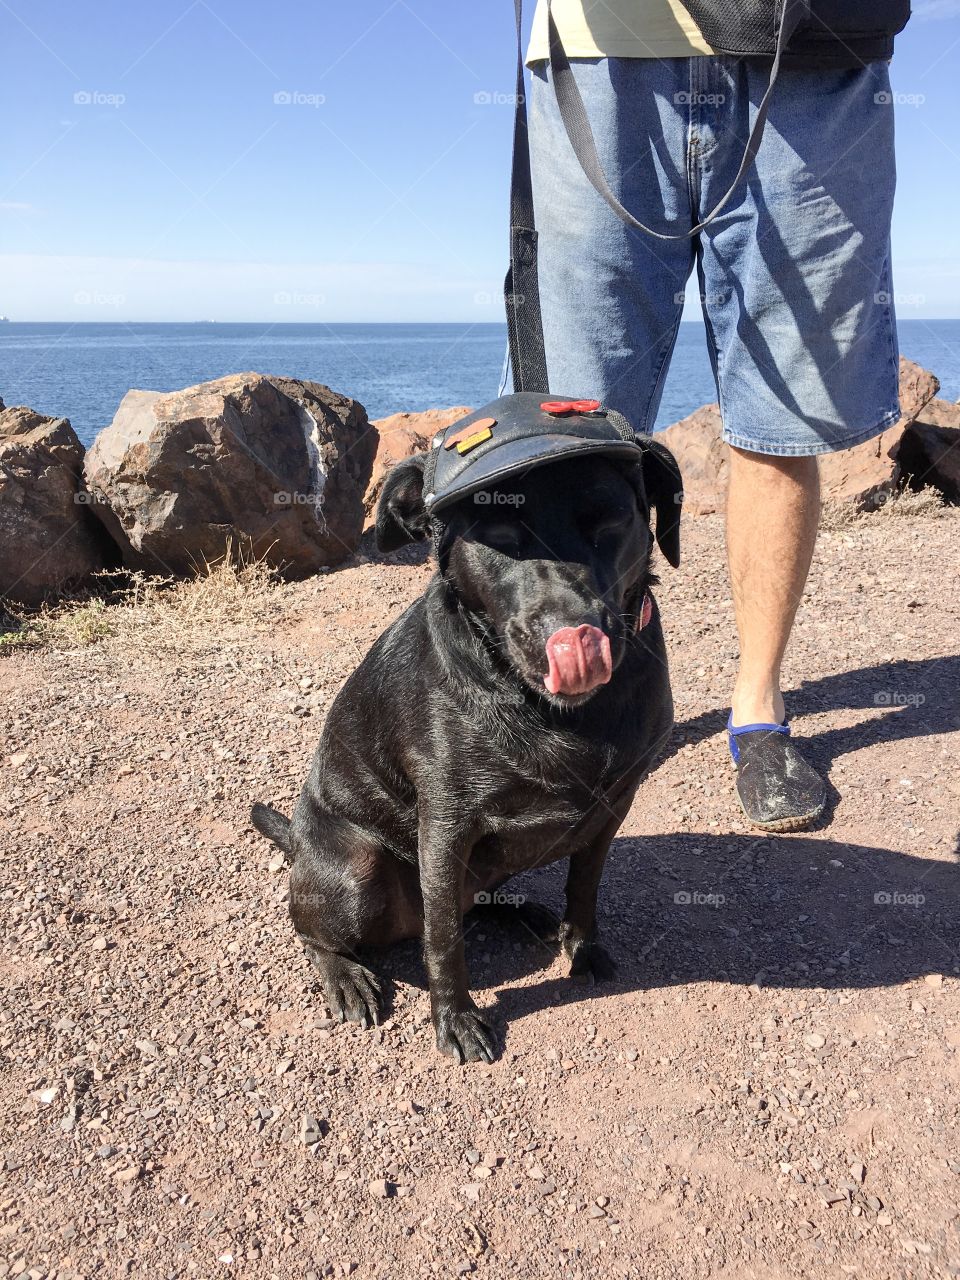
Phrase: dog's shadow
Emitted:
{"points": [[786, 911]]}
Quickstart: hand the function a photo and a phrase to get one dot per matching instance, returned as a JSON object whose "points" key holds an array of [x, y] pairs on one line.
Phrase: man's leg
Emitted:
{"points": [[773, 507], [795, 276]]}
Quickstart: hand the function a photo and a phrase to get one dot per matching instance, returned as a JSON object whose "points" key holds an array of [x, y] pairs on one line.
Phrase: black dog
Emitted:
{"points": [[502, 722]]}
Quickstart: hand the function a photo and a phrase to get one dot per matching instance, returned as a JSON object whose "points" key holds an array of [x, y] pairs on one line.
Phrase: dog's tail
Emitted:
{"points": [[274, 826]]}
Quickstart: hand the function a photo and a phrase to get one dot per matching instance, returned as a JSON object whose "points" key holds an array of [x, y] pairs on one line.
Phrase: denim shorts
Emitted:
{"points": [[794, 274]]}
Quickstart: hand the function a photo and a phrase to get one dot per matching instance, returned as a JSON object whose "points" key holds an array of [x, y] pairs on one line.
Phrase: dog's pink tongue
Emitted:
{"points": [[579, 659]]}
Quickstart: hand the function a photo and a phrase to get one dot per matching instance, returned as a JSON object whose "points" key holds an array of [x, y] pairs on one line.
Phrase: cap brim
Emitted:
{"points": [[516, 457]]}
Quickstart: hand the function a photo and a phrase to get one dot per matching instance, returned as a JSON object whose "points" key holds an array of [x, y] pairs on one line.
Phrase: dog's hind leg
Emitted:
{"points": [[330, 916], [347, 891], [352, 991], [327, 915]]}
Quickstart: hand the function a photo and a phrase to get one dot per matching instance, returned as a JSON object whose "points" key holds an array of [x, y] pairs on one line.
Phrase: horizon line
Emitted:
{"points": [[696, 320]]}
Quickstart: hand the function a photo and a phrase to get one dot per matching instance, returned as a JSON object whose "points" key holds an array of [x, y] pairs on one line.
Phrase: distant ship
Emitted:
{"points": [[4, 319]]}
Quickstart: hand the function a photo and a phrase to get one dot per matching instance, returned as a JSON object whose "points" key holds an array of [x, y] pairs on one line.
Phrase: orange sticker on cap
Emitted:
{"points": [[469, 431]]}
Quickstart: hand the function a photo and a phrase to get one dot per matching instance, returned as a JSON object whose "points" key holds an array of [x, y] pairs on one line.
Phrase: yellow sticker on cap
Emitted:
{"points": [[470, 430], [471, 441]]}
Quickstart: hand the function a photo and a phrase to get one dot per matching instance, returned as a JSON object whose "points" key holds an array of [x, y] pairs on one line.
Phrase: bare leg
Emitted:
{"points": [[773, 508]]}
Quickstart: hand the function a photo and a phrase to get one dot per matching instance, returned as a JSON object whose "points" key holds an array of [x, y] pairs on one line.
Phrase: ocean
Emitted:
{"points": [[81, 371]]}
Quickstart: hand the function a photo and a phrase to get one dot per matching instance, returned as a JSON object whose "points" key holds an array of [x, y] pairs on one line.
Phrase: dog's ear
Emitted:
{"points": [[663, 487], [401, 514]]}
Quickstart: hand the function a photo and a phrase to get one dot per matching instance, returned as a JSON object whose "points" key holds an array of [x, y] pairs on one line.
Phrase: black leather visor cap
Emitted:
{"points": [[521, 437]]}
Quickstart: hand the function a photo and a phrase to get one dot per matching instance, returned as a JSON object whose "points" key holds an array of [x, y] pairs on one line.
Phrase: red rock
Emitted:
{"points": [[929, 451], [864, 475], [401, 436], [940, 413], [928, 457], [867, 474], [703, 457]]}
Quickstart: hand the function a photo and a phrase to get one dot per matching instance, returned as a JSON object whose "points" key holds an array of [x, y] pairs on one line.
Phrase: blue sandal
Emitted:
{"points": [[777, 788]]}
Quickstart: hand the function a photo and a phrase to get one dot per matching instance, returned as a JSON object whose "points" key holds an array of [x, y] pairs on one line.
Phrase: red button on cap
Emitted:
{"points": [[560, 407]]}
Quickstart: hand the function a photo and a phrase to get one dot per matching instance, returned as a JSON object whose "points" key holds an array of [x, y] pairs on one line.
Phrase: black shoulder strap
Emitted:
{"points": [[521, 288]]}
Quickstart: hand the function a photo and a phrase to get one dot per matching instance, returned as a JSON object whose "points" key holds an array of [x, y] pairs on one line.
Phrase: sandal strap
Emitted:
{"points": [[756, 728], [734, 732]]}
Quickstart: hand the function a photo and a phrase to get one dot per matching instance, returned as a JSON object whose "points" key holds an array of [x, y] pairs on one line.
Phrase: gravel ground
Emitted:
{"points": [[769, 1088]]}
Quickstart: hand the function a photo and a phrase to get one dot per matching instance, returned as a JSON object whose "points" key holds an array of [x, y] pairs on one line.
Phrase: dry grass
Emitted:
{"points": [[154, 612], [928, 502]]}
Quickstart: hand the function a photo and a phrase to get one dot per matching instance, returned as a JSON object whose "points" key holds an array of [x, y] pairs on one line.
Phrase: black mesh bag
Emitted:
{"points": [[830, 33]]}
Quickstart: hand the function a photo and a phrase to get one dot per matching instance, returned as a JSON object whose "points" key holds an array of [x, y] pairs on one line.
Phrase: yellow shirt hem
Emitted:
{"points": [[618, 29]]}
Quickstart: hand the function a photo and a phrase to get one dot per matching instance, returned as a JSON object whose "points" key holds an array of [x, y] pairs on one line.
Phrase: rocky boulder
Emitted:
{"points": [[48, 541], [867, 474], [928, 454], [274, 468], [928, 457], [941, 413], [401, 436], [863, 476]]}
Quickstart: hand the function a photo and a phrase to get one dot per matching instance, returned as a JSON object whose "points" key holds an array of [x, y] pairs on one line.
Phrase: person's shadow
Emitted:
{"points": [[915, 698], [919, 697], [788, 911]]}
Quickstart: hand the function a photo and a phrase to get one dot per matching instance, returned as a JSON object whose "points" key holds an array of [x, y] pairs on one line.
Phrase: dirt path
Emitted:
{"points": [[770, 1088]]}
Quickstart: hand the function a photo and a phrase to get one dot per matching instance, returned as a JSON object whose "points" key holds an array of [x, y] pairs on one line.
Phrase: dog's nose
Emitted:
{"points": [[578, 660]]}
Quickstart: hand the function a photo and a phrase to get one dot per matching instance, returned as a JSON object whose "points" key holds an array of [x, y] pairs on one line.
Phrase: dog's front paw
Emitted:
{"points": [[589, 961], [463, 1035]]}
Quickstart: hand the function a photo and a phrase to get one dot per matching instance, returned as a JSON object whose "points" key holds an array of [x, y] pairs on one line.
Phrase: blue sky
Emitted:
{"points": [[148, 171]]}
